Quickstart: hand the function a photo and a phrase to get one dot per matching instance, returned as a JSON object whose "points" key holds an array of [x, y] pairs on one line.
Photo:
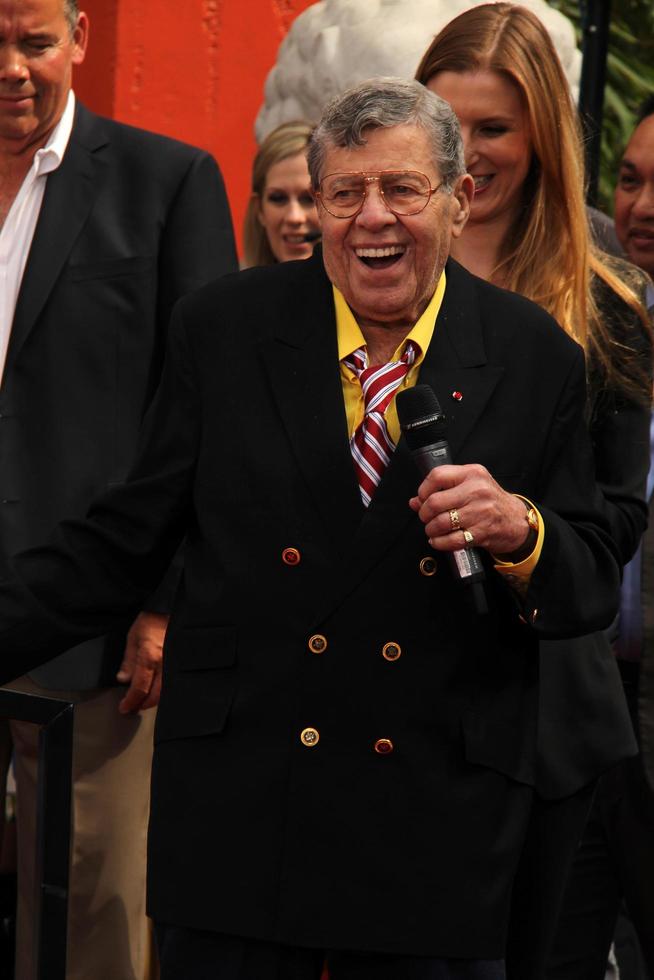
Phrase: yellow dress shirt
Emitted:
{"points": [[350, 338]]}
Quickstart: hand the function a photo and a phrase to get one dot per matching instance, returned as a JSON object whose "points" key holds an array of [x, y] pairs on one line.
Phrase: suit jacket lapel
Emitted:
{"points": [[70, 193], [455, 361], [456, 364], [302, 363]]}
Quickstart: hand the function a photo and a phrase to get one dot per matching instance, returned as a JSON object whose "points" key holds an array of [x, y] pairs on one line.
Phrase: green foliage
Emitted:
{"points": [[629, 79]]}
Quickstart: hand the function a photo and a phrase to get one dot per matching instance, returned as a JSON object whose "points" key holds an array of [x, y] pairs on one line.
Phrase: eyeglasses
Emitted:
{"points": [[403, 192]]}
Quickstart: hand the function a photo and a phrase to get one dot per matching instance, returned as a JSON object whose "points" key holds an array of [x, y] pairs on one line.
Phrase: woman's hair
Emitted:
{"points": [[548, 254], [383, 102], [287, 140]]}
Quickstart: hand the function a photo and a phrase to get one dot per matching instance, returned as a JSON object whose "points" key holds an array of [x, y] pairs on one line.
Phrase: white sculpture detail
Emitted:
{"points": [[337, 43]]}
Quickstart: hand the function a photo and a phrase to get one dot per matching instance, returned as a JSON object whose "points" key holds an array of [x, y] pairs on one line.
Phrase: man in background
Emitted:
{"points": [[634, 195], [102, 228]]}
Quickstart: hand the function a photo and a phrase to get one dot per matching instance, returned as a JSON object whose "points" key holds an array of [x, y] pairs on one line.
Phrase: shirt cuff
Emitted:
{"points": [[521, 571]]}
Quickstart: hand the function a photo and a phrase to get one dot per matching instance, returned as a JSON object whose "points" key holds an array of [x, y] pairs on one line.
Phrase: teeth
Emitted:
{"points": [[295, 239], [482, 181], [379, 253]]}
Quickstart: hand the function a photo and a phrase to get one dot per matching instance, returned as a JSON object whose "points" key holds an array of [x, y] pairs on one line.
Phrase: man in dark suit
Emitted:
{"points": [[353, 746], [104, 227]]}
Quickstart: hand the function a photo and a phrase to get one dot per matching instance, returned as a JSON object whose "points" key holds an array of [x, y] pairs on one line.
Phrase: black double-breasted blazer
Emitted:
{"points": [[129, 223], [256, 830]]}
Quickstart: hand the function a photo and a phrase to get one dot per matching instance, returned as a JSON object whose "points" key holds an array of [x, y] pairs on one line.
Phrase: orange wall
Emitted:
{"points": [[193, 69]]}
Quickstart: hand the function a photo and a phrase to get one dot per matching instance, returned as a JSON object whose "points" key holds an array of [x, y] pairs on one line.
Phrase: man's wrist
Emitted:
{"points": [[532, 521]]}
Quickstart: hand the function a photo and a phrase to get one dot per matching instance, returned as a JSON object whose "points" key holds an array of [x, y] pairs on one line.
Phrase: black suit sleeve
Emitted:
{"points": [[579, 564], [197, 243], [96, 572], [619, 427], [197, 246]]}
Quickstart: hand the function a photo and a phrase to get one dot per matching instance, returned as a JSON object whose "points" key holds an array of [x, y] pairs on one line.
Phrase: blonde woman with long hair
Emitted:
{"points": [[281, 221]]}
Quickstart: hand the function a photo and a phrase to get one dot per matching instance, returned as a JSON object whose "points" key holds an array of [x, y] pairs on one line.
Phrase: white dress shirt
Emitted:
{"points": [[18, 230]]}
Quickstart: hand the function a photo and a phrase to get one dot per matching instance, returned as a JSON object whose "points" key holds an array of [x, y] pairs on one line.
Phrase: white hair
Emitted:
{"points": [[386, 102]]}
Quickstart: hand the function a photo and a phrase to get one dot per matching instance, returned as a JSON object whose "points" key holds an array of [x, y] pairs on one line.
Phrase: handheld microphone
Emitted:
{"points": [[312, 236], [424, 426]]}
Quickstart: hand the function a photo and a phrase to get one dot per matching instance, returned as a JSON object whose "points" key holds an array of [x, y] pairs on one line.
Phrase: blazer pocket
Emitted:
{"points": [[198, 692], [110, 268], [498, 746]]}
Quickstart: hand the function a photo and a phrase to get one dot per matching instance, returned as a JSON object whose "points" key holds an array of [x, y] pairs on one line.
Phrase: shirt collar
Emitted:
{"points": [[49, 157], [349, 334]]}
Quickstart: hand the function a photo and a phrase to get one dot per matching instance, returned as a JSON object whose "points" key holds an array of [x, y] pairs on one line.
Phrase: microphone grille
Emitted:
{"points": [[418, 406]]}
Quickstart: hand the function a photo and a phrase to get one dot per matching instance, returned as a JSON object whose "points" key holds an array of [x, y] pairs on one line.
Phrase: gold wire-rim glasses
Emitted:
{"points": [[377, 176]]}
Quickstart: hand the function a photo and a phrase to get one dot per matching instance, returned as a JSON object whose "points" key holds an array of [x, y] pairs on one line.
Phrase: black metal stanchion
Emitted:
{"points": [[53, 822], [595, 18]]}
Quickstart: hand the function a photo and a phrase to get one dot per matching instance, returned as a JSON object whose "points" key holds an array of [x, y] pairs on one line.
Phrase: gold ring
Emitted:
{"points": [[454, 519], [468, 538]]}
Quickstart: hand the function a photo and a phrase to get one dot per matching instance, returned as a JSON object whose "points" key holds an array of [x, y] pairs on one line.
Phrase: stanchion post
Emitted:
{"points": [[55, 717], [595, 19]]}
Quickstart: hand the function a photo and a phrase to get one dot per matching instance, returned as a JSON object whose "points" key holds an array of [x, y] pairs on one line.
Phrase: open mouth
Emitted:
{"points": [[482, 181], [380, 258]]}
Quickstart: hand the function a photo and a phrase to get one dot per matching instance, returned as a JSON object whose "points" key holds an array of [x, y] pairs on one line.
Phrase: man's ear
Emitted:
{"points": [[80, 38], [462, 196]]}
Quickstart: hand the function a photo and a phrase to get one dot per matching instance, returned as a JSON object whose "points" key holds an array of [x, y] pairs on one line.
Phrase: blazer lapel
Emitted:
{"points": [[455, 362], [302, 363], [456, 365], [70, 193]]}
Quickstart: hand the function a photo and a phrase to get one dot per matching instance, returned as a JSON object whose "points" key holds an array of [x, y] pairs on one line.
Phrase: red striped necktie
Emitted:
{"points": [[371, 444]]}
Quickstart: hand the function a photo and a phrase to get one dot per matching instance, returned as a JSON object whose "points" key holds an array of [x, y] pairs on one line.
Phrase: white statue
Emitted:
{"points": [[336, 43]]}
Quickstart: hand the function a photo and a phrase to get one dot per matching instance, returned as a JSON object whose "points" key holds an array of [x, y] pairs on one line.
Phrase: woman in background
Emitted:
{"points": [[281, 221], [528, 232]]}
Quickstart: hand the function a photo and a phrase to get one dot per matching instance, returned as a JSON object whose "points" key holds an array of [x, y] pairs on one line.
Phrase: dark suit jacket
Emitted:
{"points": [[246, 452], [130, 222]]}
